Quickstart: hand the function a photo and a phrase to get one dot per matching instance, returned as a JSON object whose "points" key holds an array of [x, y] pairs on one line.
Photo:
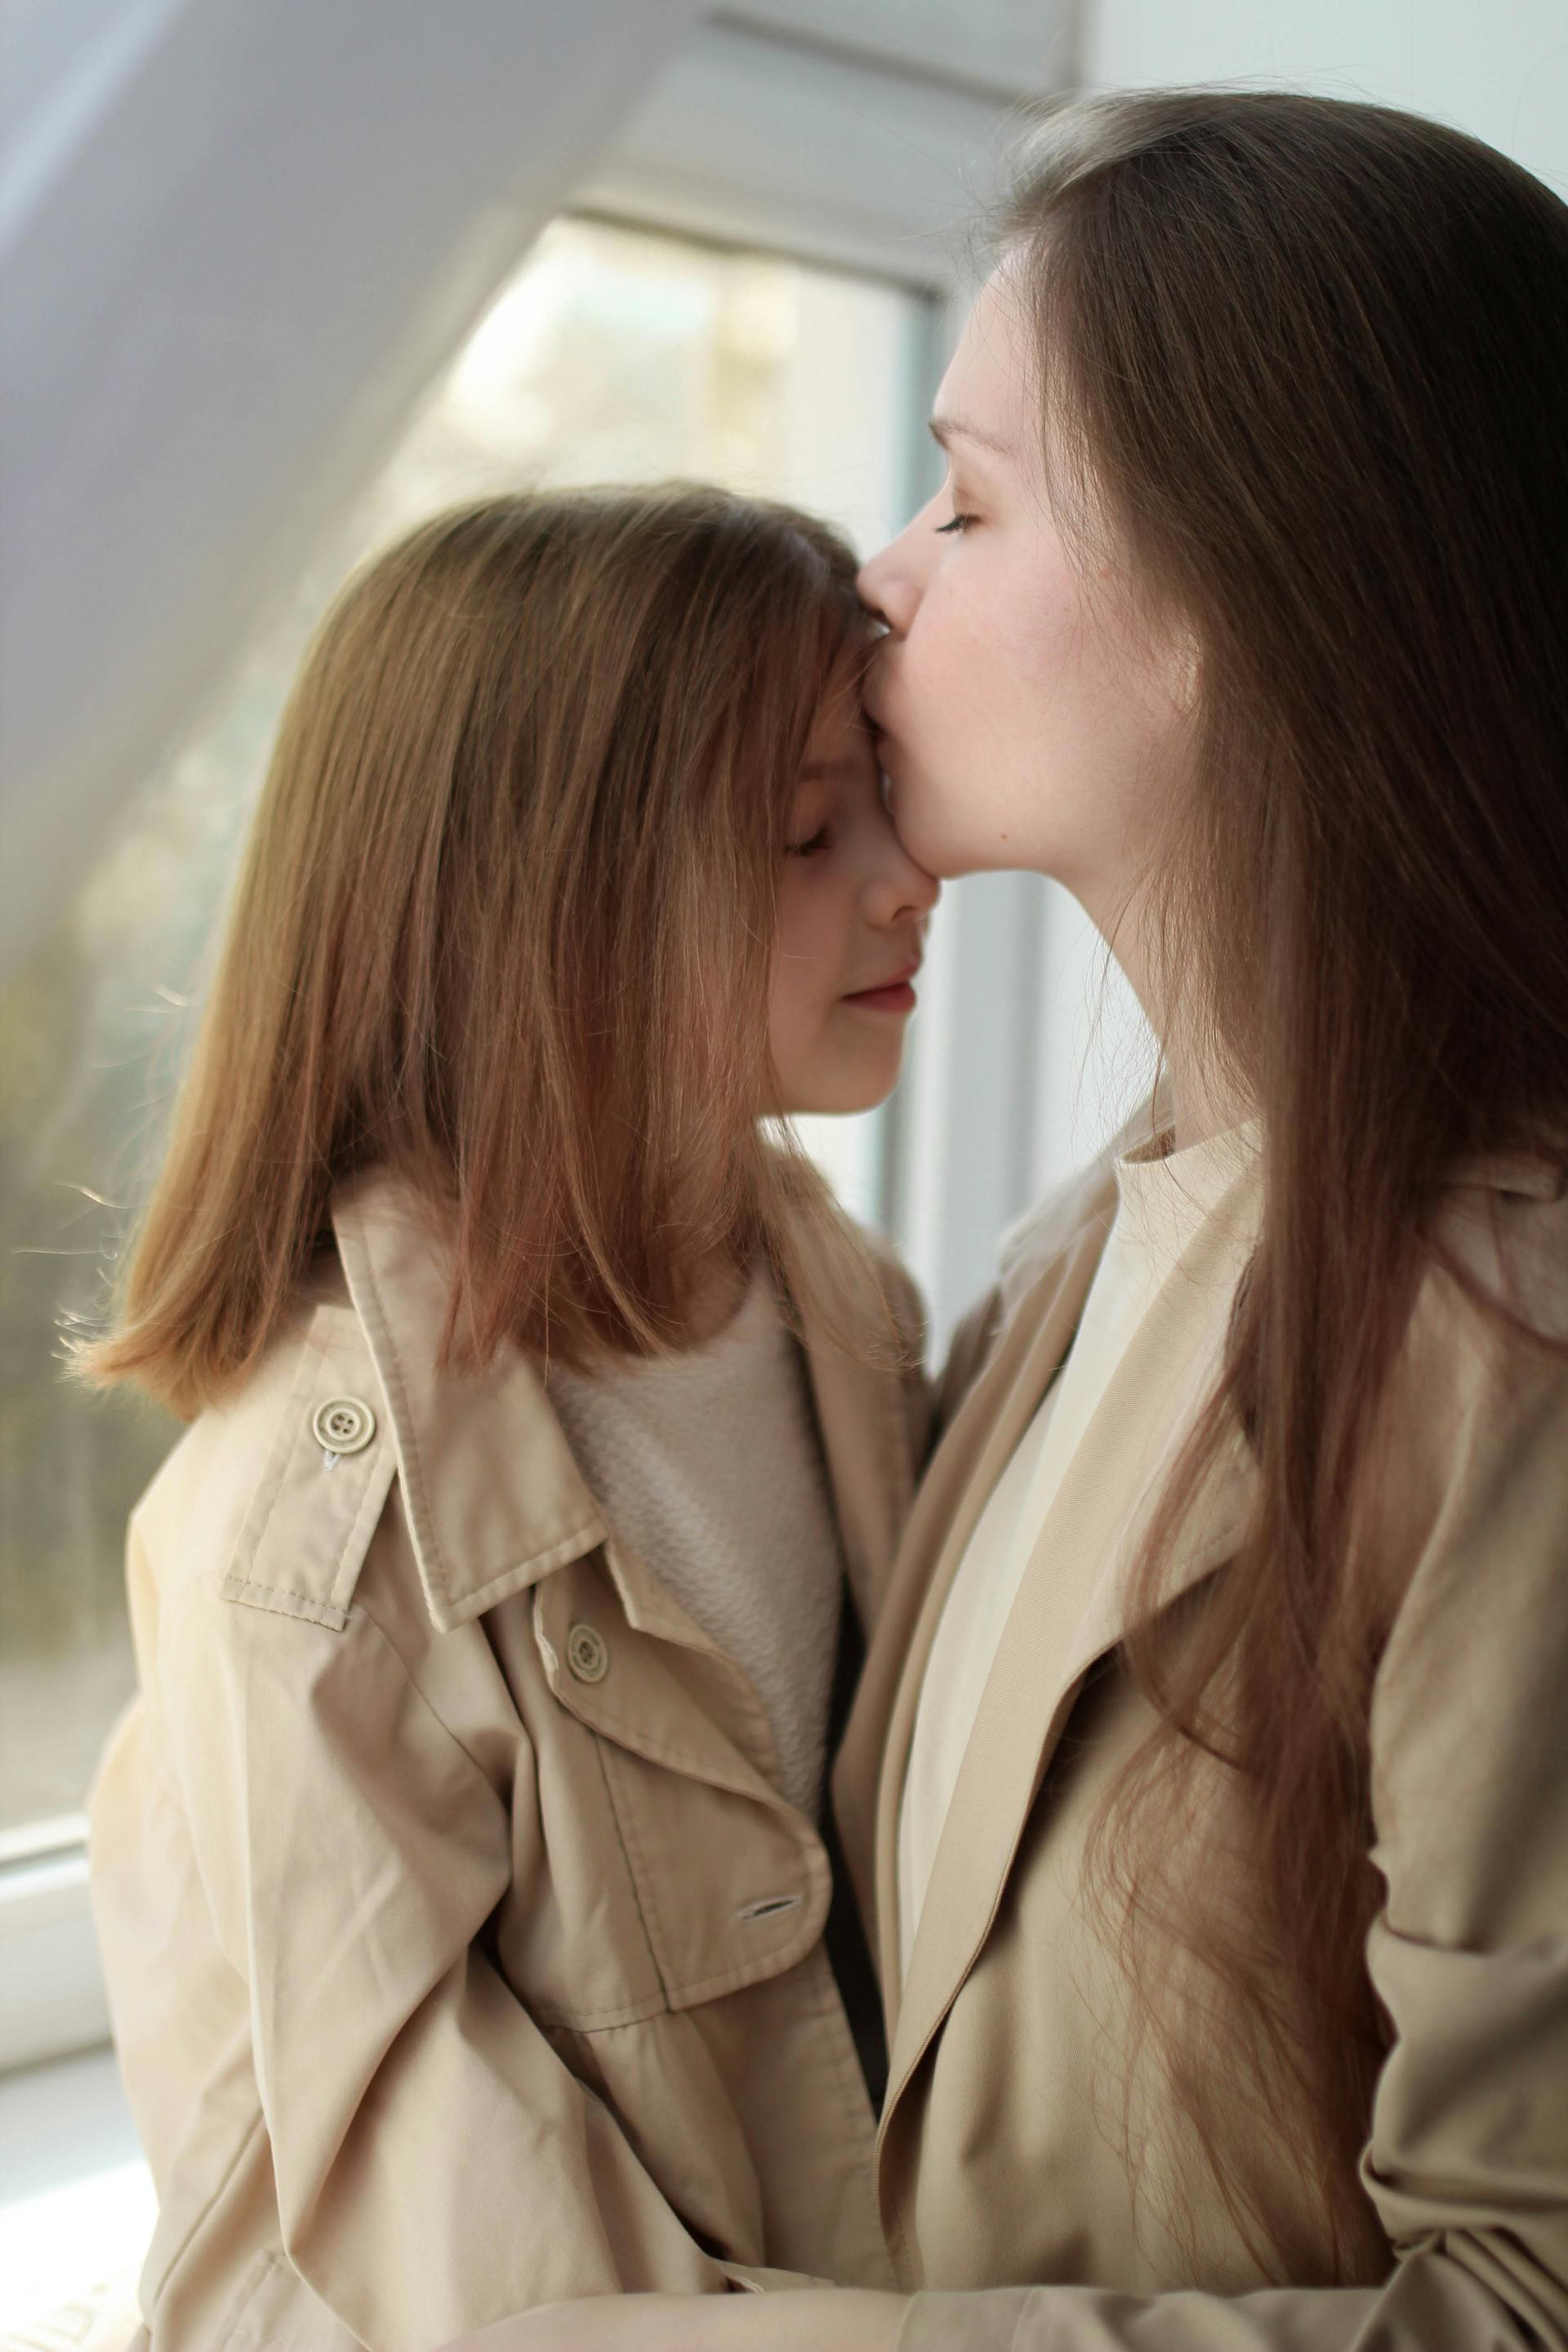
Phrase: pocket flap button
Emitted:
{"points": [[342, 1426], [586, 1653]]}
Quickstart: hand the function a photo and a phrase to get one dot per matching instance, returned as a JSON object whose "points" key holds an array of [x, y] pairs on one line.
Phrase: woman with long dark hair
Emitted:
{"points": [[1207, 1783]]}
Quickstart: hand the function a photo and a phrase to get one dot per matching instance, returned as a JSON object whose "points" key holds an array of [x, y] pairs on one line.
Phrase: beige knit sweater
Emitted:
{"points": [[709, 1465]]}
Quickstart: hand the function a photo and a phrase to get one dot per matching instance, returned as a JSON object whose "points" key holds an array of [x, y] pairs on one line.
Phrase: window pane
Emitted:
{"points": [[613, 355]]}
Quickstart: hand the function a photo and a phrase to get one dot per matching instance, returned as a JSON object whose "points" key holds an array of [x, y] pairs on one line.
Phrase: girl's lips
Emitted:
{"points": [[893, 996]]}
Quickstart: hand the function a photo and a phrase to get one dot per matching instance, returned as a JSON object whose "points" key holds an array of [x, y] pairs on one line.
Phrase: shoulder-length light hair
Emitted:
{"points": [[503, 925]]}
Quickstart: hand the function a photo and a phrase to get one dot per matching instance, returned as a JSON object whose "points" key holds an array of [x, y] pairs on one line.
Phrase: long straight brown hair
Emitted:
{"points": [[503, 926], [1307, 363]]}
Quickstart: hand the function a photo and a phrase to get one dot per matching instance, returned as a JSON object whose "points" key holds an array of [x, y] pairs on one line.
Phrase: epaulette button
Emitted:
{"points": [[342, 1426]]}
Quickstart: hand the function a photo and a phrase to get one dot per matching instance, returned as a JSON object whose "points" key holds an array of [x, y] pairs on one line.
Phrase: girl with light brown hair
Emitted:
{"points": [[1208, 1772], [461, 1872]]}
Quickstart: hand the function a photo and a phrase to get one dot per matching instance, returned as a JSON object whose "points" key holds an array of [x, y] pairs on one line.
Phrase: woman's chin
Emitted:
{"points": [[916, 809], [942, 857]]}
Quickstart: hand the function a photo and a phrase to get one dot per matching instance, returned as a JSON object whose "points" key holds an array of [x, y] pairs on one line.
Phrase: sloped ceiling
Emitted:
{"points": [[235, 241]]}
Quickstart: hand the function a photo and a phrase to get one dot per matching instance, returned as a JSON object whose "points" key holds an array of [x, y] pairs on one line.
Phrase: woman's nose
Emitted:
{"points": [[886, 590]]}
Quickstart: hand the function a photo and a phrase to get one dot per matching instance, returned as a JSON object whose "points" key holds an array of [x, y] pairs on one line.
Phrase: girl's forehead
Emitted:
{"points": [[841, 737]]}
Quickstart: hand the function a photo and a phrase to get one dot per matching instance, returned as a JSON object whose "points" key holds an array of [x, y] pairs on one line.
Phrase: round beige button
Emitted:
{"points": [[587, 1654], [342, 1426]]}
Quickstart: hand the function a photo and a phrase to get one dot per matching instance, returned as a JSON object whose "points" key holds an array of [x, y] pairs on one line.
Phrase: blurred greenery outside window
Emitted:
{"points": [[615, 354]]}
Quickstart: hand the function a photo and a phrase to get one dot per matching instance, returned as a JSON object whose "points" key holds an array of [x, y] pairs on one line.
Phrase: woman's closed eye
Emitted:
{"points": [[960, 523], [821, 839]]}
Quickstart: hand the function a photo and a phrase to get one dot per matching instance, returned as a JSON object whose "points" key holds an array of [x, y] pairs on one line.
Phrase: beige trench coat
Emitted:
{"points": [[1000, 2162], [461, 1952]]}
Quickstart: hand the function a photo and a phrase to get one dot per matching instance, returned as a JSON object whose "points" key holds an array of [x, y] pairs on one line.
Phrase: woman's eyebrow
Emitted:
{"points": [[947, 429], [824, 772]]}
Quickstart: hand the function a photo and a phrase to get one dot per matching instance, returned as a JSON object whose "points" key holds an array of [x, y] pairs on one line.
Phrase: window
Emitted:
{"points": [[615, 354]]}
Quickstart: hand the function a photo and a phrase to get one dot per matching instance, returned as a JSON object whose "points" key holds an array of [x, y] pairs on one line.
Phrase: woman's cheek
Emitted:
{"points": [[960, 660]]}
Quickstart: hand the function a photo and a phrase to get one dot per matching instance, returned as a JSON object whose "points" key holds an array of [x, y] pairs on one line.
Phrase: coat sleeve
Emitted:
{"points": [[437, 2165], [1467, 2159]]}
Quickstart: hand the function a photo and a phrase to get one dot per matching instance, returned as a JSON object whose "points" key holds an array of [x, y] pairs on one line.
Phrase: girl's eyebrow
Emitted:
{"points": [[945, 430], [823, 771]]}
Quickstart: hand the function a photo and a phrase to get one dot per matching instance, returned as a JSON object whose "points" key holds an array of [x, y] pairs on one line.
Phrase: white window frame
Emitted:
{"points": [[52, 1998]]}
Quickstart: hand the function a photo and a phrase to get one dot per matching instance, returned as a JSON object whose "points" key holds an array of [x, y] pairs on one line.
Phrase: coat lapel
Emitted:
{"points": [[1061, 1623], [868, 1773], [1061, 1241]]}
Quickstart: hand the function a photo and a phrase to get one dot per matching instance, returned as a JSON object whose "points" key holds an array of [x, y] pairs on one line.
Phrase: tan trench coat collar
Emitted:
{"points": [[493, 1498], [495, 1501]]}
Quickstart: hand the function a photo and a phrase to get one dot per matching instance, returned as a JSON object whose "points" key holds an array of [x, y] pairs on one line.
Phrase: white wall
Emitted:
{"points": [[1499, 71]]}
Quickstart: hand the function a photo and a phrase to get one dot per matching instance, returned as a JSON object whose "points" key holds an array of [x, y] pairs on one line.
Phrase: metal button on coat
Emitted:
{"points": [[587, 1654], [342, 1426]]}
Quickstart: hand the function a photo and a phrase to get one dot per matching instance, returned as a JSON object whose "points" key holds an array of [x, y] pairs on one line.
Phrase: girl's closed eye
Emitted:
{"points": [[820, 840], [960, 523]]}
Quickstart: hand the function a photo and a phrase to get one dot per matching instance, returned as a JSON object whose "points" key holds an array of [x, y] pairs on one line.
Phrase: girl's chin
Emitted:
{"points": [[847, 1101]]}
